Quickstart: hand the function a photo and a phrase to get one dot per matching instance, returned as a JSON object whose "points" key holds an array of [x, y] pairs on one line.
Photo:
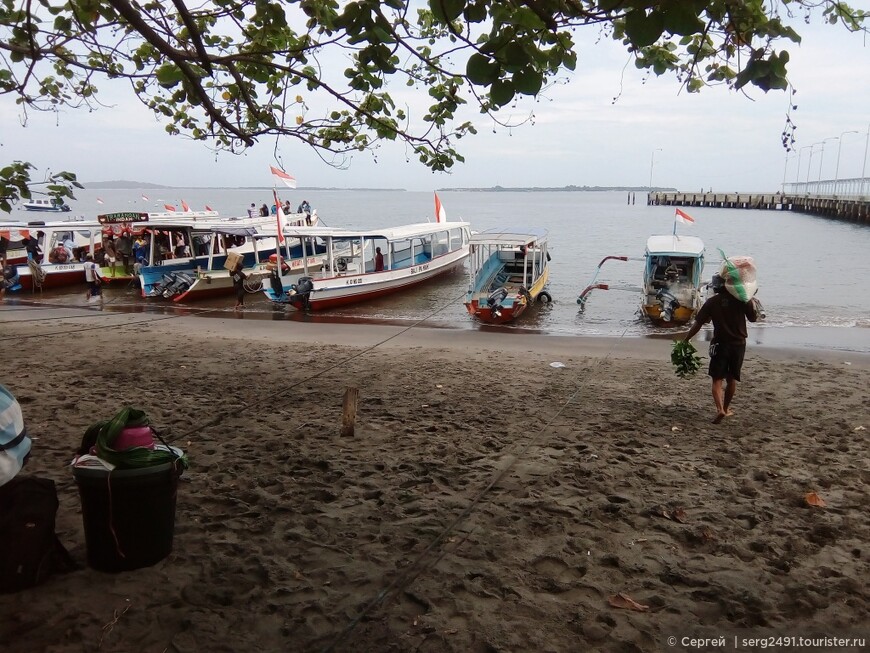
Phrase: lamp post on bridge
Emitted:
{"points": [[864, 166], [652, 160], [810, 164], [822, 157], [839, 148], [797, 176]]}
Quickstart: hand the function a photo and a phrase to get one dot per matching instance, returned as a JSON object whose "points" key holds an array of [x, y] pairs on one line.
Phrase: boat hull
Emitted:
{"points": [[56, 276], [365, 287], [486, 314], [681, 315]]}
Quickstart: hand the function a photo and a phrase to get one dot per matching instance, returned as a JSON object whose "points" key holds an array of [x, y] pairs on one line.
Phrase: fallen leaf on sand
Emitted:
{"points": [[438, 385], [626, 602], [860, 428], [814, 499], [679, 515], [676, 428]]}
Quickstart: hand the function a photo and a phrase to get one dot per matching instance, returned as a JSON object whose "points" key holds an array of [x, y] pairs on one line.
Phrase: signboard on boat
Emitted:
{"points": [[123, 216]]}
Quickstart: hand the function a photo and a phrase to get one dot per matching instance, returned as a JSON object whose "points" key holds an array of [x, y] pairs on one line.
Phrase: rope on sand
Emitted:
{"points": [[420, 564]]}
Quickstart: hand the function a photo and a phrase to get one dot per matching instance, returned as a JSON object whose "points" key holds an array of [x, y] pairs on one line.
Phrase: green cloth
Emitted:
{"points": [[106, 432]]}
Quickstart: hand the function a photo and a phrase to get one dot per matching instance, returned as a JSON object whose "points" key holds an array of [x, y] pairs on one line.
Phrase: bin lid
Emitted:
{"points": [[14, 442]]}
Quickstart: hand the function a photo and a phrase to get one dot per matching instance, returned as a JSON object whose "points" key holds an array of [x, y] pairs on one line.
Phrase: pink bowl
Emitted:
{"points": [[134, 436]]}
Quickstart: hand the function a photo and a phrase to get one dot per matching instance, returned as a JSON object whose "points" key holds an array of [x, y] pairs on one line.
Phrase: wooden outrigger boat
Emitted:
{"points": [[671, 291], [362, 265], [510, 270], [672, 279]]}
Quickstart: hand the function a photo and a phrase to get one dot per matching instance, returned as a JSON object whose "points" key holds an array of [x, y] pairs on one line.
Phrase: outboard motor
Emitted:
{"points": [[183, 282], [301, 290], [157, 289], [10, 277], [180, 282], [669, 304], [494, 300]]}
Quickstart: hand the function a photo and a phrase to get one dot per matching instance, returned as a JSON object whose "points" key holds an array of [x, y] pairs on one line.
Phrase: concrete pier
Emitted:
{"points": [[849, 209]]}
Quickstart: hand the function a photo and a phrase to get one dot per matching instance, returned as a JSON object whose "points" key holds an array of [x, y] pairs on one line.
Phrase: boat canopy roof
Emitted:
{"points": [[676, 245], [145, 216], [509, 236], [402, 232], [45, 225]]}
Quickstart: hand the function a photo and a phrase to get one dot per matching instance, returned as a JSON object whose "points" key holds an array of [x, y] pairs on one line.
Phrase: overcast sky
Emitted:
{"points": [[716, 139]]}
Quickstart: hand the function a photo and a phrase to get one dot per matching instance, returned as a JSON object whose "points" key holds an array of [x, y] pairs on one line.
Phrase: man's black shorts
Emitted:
{"points": [[726, 359]]}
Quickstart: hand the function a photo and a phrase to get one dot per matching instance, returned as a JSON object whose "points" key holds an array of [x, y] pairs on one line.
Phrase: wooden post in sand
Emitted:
{"points": [[348, 412]]}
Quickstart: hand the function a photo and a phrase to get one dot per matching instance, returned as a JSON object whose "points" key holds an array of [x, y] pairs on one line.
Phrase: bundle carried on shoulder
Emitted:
{"points": [[740, 276], [129, 441]]}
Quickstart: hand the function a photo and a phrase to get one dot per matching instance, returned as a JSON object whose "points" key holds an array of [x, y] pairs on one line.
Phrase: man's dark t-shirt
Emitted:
{"points": [[729, 317]]}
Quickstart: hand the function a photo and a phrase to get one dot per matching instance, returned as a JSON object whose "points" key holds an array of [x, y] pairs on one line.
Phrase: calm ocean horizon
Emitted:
{"points": [[811, 270]]}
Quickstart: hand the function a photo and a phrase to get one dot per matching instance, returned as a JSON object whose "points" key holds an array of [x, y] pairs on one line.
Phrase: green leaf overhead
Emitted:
{"points": [[231, 73]]}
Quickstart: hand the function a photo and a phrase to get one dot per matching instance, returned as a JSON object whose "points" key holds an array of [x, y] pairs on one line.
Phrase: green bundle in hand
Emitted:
{"points": [[685, 358]]}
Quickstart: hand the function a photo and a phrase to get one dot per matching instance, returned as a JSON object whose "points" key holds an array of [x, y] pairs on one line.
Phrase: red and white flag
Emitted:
{"points": [[99, 201], [684, 217], [169, 207], [144, 197], [440, 213], [185, 206], [283, 177], [208, 208], [279, 214]]}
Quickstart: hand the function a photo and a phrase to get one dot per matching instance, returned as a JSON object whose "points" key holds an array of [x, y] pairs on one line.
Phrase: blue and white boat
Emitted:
{"points": [[52, 205], [361, 265]]}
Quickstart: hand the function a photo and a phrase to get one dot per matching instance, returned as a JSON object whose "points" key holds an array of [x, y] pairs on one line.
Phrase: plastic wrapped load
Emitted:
{"points": [[740, 277]]}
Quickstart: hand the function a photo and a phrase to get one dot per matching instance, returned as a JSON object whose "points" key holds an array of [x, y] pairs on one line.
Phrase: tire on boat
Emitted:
{"points": [[544, 296]]}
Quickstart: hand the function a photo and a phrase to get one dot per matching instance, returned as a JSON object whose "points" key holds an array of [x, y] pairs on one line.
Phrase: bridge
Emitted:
{"points": [[840, 199]]}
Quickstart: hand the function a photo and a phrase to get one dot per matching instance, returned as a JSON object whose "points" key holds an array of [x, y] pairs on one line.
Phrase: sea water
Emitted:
{"points": [[812, 271]]}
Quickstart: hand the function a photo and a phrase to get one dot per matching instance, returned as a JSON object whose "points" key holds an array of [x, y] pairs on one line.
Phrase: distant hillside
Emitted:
{"points": [[122, 184], [125, 185]]}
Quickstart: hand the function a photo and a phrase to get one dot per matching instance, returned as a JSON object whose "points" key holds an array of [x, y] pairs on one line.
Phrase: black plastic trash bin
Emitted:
{"points": [[128, 514]]}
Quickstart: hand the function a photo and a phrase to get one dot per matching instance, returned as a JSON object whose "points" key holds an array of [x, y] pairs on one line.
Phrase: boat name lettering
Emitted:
{"points": [[123, 216], [420, 268], [352, 282], [65, 267]]}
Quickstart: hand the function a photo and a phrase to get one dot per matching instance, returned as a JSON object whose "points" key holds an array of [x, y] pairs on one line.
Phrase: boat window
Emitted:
{"points": [[400, 253], [456, 239], [370, 257], [440, 243], [422, 249]]}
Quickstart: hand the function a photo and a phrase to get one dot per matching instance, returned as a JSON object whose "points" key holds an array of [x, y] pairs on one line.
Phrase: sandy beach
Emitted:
{"points": [[487, 501]]}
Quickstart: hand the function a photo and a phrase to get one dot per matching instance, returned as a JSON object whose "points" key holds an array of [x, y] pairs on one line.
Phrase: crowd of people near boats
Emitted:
{"points": [[286, 208]]}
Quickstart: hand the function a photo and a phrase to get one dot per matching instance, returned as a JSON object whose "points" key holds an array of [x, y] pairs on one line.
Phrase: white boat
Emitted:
{"points": [[212, 279], [510, 269], [182, 256], [673, 266], [353, 271], [73, 239], [50, 204]]}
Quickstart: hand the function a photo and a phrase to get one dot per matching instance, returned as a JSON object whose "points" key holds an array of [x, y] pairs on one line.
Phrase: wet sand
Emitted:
{"points": [[487, 501]]}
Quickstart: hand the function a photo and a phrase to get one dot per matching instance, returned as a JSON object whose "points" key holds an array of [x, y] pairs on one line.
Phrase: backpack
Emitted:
{"points": [[29, 548]]}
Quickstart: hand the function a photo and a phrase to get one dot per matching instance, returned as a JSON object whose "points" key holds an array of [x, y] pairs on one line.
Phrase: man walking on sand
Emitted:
{"points": [[728, 346]]}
